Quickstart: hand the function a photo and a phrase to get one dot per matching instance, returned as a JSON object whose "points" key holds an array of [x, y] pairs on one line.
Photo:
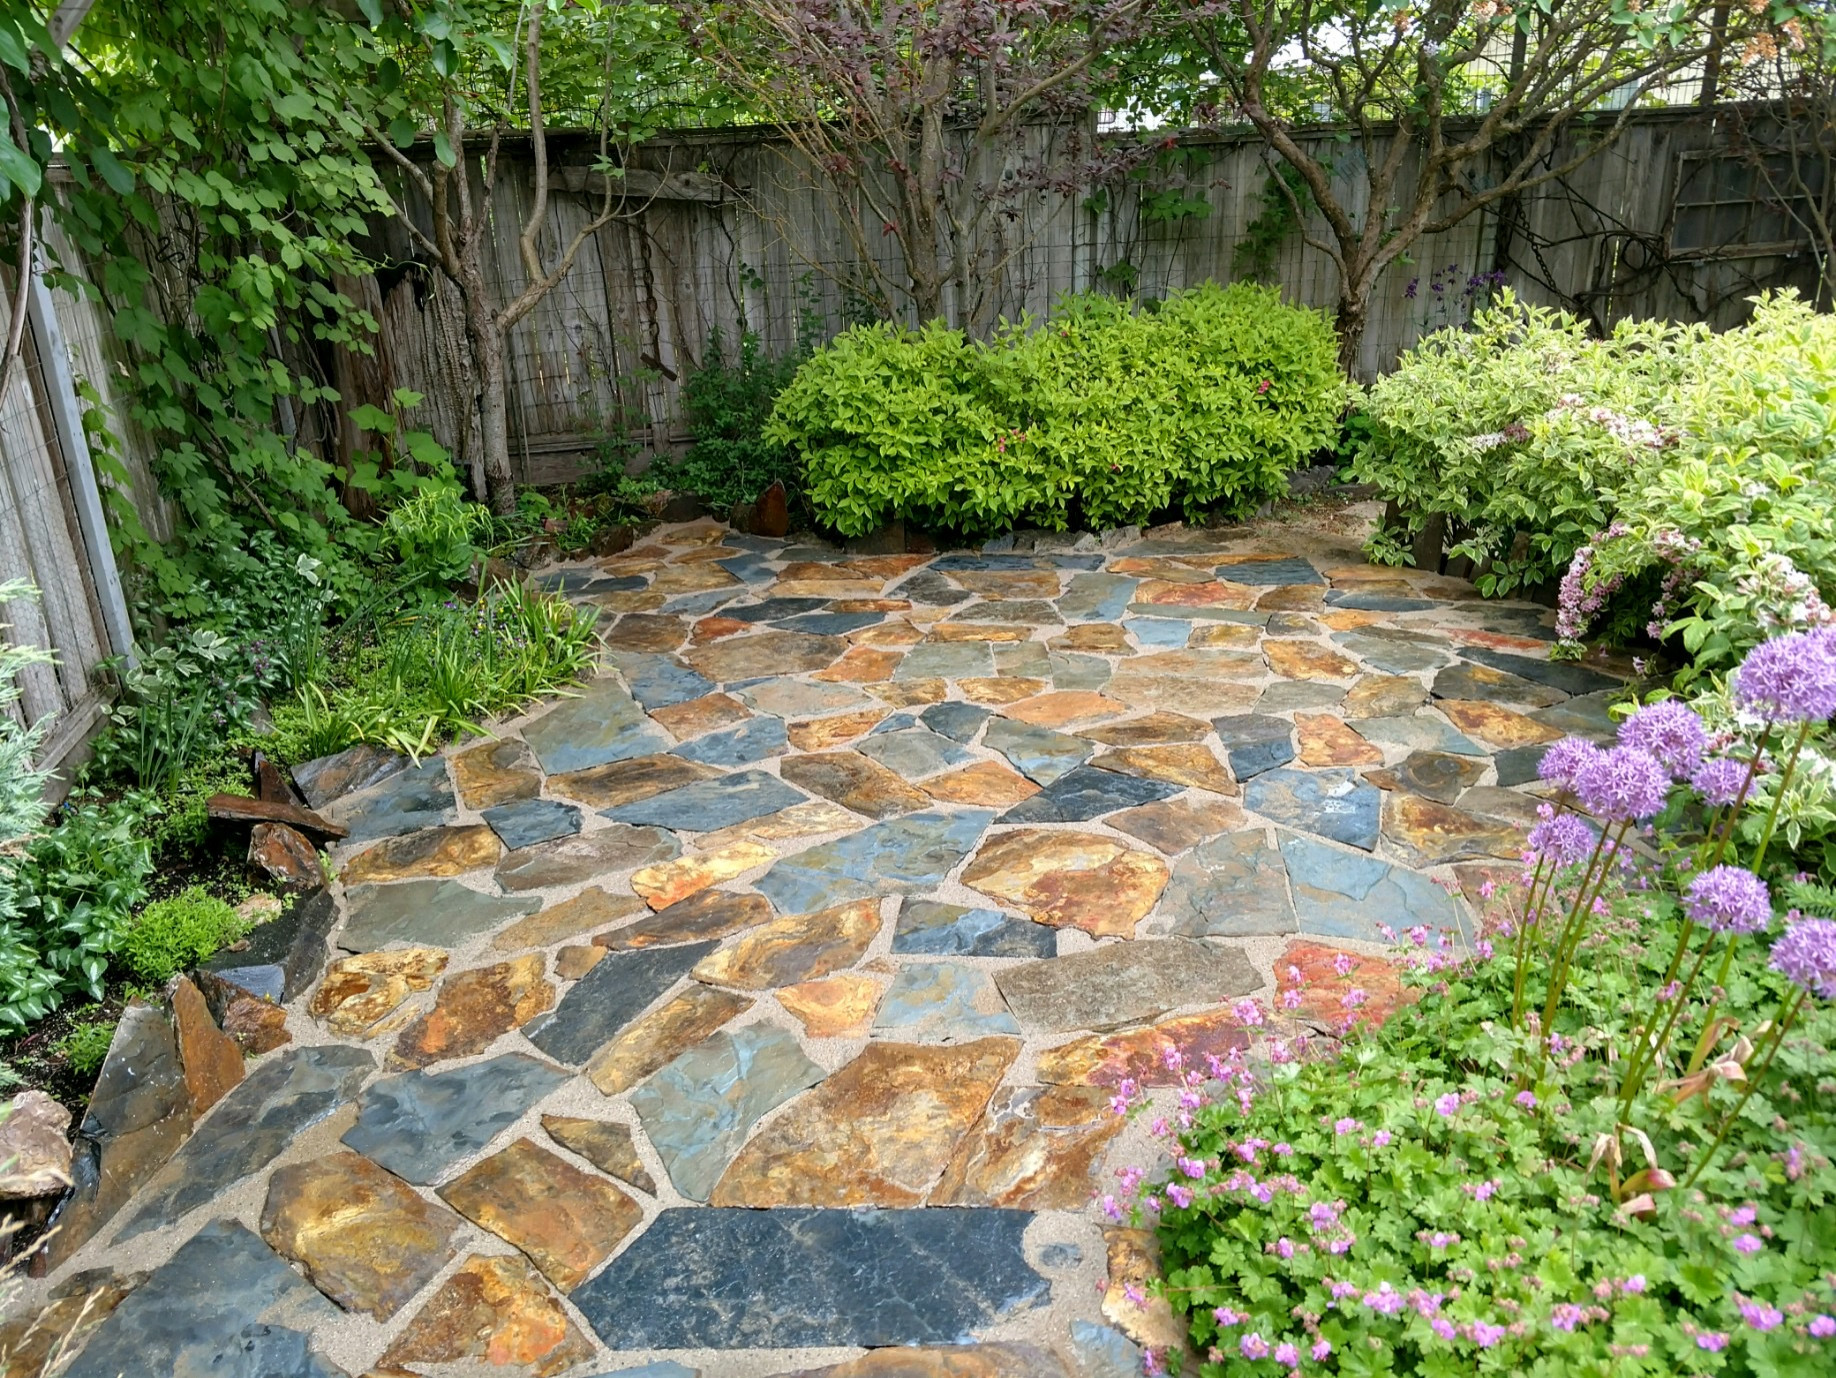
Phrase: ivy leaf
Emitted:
{"points": [[17, 167], [369, 418], [443, 150]]}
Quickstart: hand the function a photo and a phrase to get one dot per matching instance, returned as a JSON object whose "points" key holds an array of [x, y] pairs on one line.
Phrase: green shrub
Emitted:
{"points": [[173, 934], [86, 1046], [729, 398], [1107, 415]]}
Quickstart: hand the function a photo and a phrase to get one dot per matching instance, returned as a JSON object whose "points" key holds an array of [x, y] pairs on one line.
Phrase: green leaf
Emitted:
{"points": [[369, 418], [372, 12], [13, 50], [445, 58], [401, 131], [18, 167], [119, 179], [443, 150]]}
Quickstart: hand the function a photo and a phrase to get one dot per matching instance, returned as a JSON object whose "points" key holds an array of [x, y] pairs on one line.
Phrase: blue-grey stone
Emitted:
{"points": [[1535, 623], [1026, 659], [1159, 633], [1583, 716], [771, 609], [585, 856], [1116, 984], [913, 754], [1237, 615], [525, 822], [620, 986], [942, 1002], [934, 929], [288, 951], [1061, 1255], [1557, 674], [1254, 742], [957, 721], [223, 1306], [1087, 792], [1102, 1351], [411, 799], [1071, 670], [750, 568], [1038, 753], [1340, 894], [784, 697], [767, 546], [1393, 656], [343, 772], [699, 1109], [1231, 886], [249, 1128], [898, 722], [1353, 601], [419, 1124], [584, 581], [601, 725], [831, 623], [1332, 803], [659, 681], [1517, 766], [1419, 732], [896, 857], [1299, 696], [710, 804], [812, 554], [753, 740], [1269, 573], [698, 604], [731, 1278], [947, 660], [1096, 597], [929, 589], [436, 913]]}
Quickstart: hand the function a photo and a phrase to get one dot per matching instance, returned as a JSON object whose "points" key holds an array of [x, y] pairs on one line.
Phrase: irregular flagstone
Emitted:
{"points": [[1116, 984], [496, 1311], [1419, 732], [691, 578], [754, 740], [709, 713], [1004, 1360], [1255, 743], [838, 1006], [819, 734], [1179, 694], [1156, 633], [419, 1124], [986, 783], [1385, 696], [708, 805], [895, 632], [662, 886], [1391, 656], [1463, 681], [1323, 988], [1070, 879], [1173, 825], [772, 609], [1153, 729], [473, 1009], [863, 665], [947, 660], [1141, 1055], [1086, 793], [1299, 695], [591, 908], [529, 821], [1495, 725], [767, 653], [1038, 753], [567, 1221], [706, 914], [437, 913], [365, 1239], [346, 772], [897, 857], [878, 1132], [496, 773], [432, 852], [1026, 612], [1065, 708], [1433, 774], [1096, 597], [809, 819], [1010, 583], [570, 860], [609, 997], [1266, 571], [1233, 886], [1556, 674], [798, 948], [661, 1036], [282, 956], [1037, 1147], [575, 960], [735, 1278], [957, 721], [1332, 803], [34, 1343], [637, 631], [1232, 635], [1132, 1300], [1508, 805], [605, 1144], [1191, 764], [412, 798], [1102, 1351], [222, 1304], [248, 1129], [603, 724], [942, 1002], [931, 589], [1377, 602], [833, 622], [913, 753], [855, 782], [1427, 833], [1307, 660], [1292, 624], [627, 782], [1213, 593], [1326, 740], [1169, 570], [360, 993], [949, 930], [1093, 636], [698, 1110], [1072, 673], [1585, 716], [1029, 659], [1003, 688], [905, 693], [1340, 894], [1292, 598]]}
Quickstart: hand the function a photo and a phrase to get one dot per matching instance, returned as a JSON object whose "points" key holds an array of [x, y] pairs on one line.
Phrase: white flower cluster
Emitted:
{"points": [[1783, 596]]}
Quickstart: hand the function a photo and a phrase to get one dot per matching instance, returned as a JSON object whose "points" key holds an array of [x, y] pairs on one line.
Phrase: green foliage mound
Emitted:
{"points": [[170, 935], [1108, 414]]}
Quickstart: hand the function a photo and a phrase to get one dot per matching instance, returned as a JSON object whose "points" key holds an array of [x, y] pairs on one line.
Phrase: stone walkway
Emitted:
{"points": [[761, 1004]]}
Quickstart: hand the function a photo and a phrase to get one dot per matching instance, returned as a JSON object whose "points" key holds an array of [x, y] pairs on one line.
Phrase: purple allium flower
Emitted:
{"points": [[1563, 762], [1790, 678], [1622, 784], [1253, 1346], [1806, 956], [1712, 1340], [1719, 781], [1729, 899], [1562, 841], [1671, 732], [1822, 1326]]}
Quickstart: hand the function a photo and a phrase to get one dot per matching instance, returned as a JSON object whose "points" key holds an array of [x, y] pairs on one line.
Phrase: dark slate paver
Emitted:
{"points": [[608, 997], [708, 805], [895, 857], [1255, 742], [601, 725], [419, 1124], [525, 822], [753, 740], [930, 928], [1085, 793]]}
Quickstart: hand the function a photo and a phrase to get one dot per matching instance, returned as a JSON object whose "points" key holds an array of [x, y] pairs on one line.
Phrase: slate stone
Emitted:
{"points": [[1070, 671], [1353, 601], [284, 956], [662, 1368], [1022, 612], [1299, 696], [1557, 674], [1155, 729], [413, 798], [1096, 597], [1175, 825], [699, 604], [1123, 983], [796, 948], [606, 1144], [588, 856], [795, 698], [750, 568], [1159, 633], [738, 746], [529, 821], [1269, 573], [942, 1002], [1036, 1147], [957, 721], [1201, 614], [930, 590], [1517, 766], [249, 1128], [1233, 886], [1332, 803], [1419, 732], [1065, 878], [764, 654], [895, 857], [711, 804], [1484, 684], [1339, 894], [705, 914], [603, 724], [584, 581], [732, 1278], [913, 754], [898, 722], [1425, 833], [645, 631], [658, 681], [1023, 659], [345, 772], [1102, 1351], [1038, 753], [494, 1313], [772, 609], [947, 660], [699, 1109], [223, 1306], [1393, 657], [656, 1039], [1254, 743], [1085, 793], [609, 997], [831, 623], [962, 561], [1435, 775], [419, 1124], [1583, 716], [933, 929]]}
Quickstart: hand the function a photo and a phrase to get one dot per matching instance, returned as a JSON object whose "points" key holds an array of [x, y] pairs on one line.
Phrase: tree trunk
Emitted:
{"points": [[494, 417], [1349, 324]]}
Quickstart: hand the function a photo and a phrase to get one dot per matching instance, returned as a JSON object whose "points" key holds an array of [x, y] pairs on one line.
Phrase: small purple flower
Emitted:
{"points": [[1806, 956], [1729, 899], [1322, 1347], [1790, 678], [1253, 1346], [1719, 781], [1564, 761], [1346, 1125], [1485, 1336], [1748, 1244], [1525, 1100], [1634, 1285], [1286, 1353], [1822, 1327], [1225, 1317], [1712, 1340], [1622, 784], [1760, 1316], [1671, 732], [1447, 1105], [1562, 841]]}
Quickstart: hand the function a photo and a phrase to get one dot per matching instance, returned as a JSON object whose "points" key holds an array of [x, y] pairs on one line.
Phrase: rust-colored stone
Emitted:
{"points": [[658, 1037], [1092, 636], [855, 782], [242, 808], [431, 852], [709, 713], [994, 1360], [1035, 1149], [986, 784], [1173, 825], [210, 1057], [1428, 833], [1190, 764], [474, 1008], [809, 819], [286, 856], [627, 782], [1141, 1054], [591, 908], [645, 632], [705, 914], [1292, 598], [668, 882], [1070, 879], [862, 665], [571, 963], [1497, 726], [1325, 740], [771, 512], [1384, 696], [359, 993], [1323, 989], [1153, 729], [1134, 1271], [496, 1311], [798, 948], [978, 631], [498, 772], [838, 1006], [606, 1144], [1349, 620], [820, 734], [1229, 635], [1308, 660], [908, 693], [1001, 689], [1211, 593], [1066, 708], [258, 1026]]}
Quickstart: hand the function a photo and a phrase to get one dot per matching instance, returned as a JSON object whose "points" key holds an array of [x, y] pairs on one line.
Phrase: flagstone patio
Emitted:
{"points": [[758, 1005]]}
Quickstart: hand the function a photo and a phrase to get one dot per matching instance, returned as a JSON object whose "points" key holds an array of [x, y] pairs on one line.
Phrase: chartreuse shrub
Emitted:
{"points": [[172, 934], [1107, 414], [1600, 1144]]}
